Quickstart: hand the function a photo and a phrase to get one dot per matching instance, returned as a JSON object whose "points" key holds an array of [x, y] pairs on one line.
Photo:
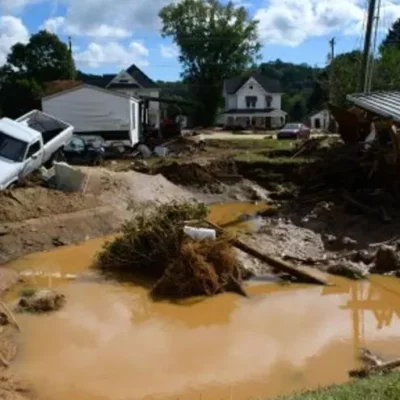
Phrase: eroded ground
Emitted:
{"points": [[311, 226]]}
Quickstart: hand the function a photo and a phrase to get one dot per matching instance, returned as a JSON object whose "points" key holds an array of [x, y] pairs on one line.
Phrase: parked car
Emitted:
{"points": [[294, 131], [87, 150], [29, 142]]}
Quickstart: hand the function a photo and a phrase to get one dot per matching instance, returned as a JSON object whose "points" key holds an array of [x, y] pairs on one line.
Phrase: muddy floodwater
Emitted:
{"points": [[111, 341]]}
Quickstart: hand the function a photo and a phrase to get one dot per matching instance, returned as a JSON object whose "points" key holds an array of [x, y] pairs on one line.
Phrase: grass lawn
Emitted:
{"points": [[251, 144], [377, 388], [262, 157]]}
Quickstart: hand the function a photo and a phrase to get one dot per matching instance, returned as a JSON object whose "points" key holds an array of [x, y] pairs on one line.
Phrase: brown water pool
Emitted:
{"points": [[112, 342]]}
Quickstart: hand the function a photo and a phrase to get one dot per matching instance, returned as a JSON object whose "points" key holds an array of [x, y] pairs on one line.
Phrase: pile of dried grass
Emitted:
{"points": [[153, 245], [207, 268]]}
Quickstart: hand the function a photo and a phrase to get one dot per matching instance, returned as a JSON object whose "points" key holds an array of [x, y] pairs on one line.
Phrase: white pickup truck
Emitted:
{"points": [[29, 142]]}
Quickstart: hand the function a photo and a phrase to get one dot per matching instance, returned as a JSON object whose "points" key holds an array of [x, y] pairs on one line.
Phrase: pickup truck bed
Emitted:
{"points": [[48, 126]]}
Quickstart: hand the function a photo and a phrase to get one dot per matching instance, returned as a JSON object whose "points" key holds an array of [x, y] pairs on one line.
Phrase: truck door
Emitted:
{"points": [[33, 159]]}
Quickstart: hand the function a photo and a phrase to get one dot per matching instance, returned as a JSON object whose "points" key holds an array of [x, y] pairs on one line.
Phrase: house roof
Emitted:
{"points": [[137, 74], [269, 85], [141, 78], [385, 104], [110, 92], [101, 82], [119, 85]]}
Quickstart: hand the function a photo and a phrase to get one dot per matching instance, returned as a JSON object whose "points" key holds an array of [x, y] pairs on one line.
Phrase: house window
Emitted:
{"points": [[268, 101], [251, 101], [123, 81], [251, 87]]}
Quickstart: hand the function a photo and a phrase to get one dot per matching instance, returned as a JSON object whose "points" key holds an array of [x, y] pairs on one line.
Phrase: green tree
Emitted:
{"points": [[387, 70], [44, 58], [18, 96], [345, 75], [216, 41], [392, 39], [297, 108]]}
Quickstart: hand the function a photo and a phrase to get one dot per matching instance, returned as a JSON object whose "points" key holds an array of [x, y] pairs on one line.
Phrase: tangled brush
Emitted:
{"points": [[153, 245], [206, 267]]}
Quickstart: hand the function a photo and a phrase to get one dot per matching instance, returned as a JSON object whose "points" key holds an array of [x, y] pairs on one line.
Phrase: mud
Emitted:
{"points": [[36, 218], [110, 335]]}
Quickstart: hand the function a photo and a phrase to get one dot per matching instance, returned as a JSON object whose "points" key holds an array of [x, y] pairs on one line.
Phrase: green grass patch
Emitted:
{"points": [[260, 157], [249, 144], [376, 388]]}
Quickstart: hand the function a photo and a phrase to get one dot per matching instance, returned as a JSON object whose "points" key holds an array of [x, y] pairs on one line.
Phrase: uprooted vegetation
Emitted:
{"points": [[40, 301], [153, 246]]}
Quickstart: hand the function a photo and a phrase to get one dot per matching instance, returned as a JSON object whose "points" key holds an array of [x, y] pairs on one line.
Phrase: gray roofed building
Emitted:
{"points": [[385, 104]]}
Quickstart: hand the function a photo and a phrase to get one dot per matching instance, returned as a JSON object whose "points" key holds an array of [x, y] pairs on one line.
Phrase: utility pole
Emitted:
{"points": [[71, 72], [332, 43], [367, 46]]}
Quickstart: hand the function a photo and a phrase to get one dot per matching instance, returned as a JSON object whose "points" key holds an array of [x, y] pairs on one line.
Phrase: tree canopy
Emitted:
{"points": [[29, 66], [392, 39], [216, 41]]}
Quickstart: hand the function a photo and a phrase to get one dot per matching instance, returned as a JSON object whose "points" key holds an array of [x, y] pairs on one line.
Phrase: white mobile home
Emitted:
{"points": [[93, 110]]}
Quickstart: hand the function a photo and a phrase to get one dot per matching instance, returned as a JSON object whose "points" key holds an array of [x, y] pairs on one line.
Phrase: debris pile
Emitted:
{"points": [[190, 174], [383, 260], [153, 246], [40, 301], [363, 179]]}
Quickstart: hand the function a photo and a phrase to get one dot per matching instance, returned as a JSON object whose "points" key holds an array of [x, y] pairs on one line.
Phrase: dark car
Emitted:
{"points": [[86, 150], [294, 131]]}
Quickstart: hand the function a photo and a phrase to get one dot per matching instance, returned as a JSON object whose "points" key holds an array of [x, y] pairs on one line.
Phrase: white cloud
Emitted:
{"points": [[168, 51], [12, 31], [61, 25], [16, 5], [113, 53], [112, 18], [291, 22], [53, 25], [242, 3]]}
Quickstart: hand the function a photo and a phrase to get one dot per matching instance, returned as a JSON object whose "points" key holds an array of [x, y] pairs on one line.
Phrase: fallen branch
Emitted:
{"points": [[309, 260], [374, 365], [10, 314], [273, 262], [393, 239], [4, 361]]}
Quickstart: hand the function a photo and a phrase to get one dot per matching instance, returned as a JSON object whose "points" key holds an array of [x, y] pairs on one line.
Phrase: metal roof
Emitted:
{"points": [[385, 104]]}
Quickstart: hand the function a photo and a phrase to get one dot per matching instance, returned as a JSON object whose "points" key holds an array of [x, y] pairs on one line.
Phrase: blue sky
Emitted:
{"points": [[109, 35]]}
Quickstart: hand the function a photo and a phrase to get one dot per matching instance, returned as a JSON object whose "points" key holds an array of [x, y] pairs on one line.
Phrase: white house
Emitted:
{"points": [[253, 102], [93, 110], [320, 120], [135, 83]]}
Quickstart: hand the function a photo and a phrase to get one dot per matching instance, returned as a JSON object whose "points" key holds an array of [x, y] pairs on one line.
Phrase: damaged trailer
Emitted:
{"points": [[96, 111], [29, 142], [381, 108]]}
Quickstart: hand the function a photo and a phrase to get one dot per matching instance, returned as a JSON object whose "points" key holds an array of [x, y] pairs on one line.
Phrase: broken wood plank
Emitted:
{"points": [[302, 274]]}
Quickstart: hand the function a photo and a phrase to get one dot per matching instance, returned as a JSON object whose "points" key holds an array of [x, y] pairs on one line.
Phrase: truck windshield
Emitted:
{"points": [[11, 148]]}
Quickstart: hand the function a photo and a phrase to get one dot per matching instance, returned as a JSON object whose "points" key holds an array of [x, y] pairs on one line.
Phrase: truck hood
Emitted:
{"points": [[9, 171]]}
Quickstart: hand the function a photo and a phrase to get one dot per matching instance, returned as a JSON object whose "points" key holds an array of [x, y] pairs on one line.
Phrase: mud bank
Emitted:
{"points": [[36, 218]]}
